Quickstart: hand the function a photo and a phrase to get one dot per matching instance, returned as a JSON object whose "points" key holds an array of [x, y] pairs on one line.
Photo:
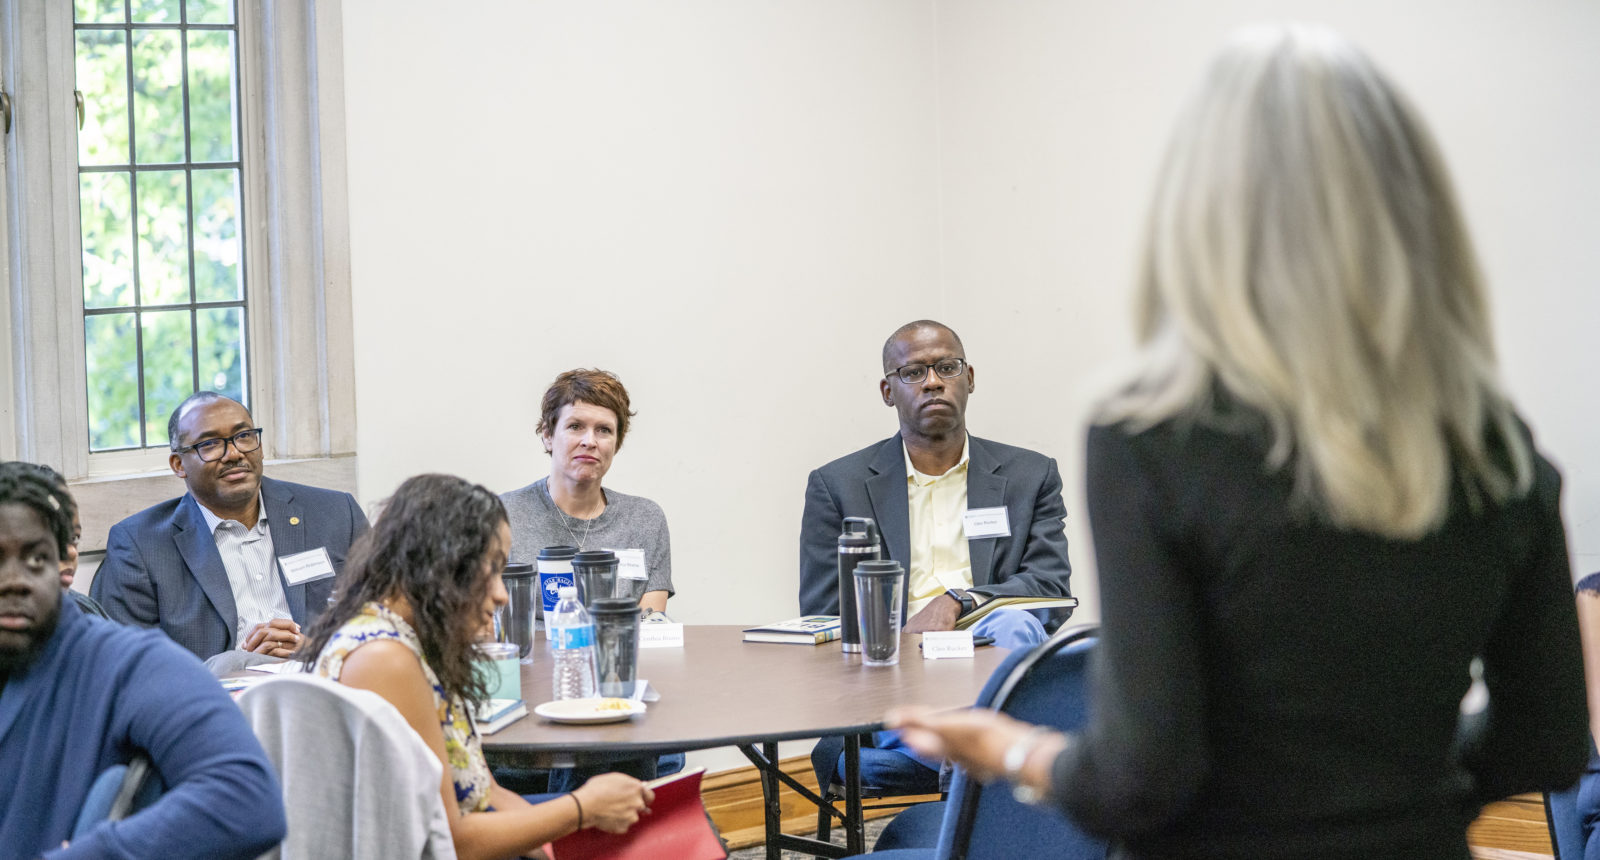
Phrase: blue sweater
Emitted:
{"points": [[94, 696]]}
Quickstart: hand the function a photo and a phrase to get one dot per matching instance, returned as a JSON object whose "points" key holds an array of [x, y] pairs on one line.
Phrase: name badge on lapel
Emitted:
{"points": [[630, 564], [313, 564], [986, 523]]}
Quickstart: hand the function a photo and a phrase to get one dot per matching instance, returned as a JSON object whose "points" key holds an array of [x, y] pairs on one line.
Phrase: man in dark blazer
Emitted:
{"points": [[1029, 560], [241, 561], [969, 519]]}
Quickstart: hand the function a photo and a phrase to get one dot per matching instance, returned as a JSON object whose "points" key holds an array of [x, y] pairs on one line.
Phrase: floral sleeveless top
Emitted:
{"points": [[468, 770]]}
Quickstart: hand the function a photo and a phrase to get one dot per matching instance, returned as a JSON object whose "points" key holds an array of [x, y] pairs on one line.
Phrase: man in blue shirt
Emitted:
{"points": [[79, 695]]}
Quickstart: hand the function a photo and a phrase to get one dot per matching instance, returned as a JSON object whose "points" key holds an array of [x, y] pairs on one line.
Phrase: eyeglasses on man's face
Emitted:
{"points": [[947, 368], [212, 450]]}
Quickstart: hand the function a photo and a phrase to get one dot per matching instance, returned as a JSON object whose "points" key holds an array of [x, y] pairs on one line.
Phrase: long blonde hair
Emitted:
{"points": [[1305, 256]]}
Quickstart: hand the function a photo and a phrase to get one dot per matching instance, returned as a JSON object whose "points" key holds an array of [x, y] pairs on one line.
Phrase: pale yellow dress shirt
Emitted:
{"points": [[939, 556]]}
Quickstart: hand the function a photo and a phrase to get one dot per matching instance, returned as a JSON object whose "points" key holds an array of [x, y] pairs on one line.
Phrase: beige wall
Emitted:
{"points": [[730, 204]]}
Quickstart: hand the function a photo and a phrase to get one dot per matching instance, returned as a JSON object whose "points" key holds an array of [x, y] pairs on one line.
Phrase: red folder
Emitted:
{"points": [[676, 827]]}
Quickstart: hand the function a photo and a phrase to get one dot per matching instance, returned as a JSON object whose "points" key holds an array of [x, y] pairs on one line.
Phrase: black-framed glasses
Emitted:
{"points": [[212, 450], [947, 368]]}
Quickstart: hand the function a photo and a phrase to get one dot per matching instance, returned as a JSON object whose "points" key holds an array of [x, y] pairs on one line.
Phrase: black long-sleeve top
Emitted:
{"points": [[1270, 686]]}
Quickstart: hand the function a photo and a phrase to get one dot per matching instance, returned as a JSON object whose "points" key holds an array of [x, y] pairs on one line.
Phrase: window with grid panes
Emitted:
{"points": [[160, 202]]}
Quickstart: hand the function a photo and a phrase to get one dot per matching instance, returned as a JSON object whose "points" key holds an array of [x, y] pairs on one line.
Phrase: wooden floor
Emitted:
{"points": [[733, 800], [1513, 829]]}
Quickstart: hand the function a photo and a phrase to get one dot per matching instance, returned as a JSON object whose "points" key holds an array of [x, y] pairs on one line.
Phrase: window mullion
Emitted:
{"points": [[259, 276], [46, 279]]}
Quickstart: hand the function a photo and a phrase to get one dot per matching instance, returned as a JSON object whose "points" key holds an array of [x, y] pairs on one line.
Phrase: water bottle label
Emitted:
{"points": [[573, 637]]}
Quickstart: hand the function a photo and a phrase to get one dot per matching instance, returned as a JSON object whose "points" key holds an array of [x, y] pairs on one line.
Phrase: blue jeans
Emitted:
{"points": [[563, 780], [1589, 808]]}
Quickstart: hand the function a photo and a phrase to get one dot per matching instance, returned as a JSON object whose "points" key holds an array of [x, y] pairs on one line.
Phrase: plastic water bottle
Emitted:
{"points": [[571, 634]]}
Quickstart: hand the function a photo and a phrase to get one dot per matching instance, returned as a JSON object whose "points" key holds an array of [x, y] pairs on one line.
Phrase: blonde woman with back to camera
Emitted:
{"points": [[1313, 504]]}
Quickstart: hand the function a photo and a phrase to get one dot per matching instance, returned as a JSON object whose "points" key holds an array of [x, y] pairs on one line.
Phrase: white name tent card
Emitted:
{"points": [[947, 644], [661, 634], [287, 667]]}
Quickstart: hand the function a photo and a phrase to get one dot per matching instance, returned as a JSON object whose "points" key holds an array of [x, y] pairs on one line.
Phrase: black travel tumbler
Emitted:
{"points": [[616, 645], [878, 592], [522, 588], [858, 543]]}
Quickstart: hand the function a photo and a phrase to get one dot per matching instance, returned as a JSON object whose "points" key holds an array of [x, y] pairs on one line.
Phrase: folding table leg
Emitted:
{"points": [[855, 834], [769, 796], [772, 778]]}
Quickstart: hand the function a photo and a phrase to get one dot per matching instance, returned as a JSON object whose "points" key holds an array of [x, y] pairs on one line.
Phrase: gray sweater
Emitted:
{"points": [[628, 522]]}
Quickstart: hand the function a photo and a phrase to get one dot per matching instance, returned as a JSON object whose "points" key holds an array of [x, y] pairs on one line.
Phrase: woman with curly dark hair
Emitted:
{"points": [[417, 591]]}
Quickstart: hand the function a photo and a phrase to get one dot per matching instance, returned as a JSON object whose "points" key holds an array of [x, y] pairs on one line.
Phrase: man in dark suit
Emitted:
{"points": [[1024, 556], [241, 561], [969, 519]]}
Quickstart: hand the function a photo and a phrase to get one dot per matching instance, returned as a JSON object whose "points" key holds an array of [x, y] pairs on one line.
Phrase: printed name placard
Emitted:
{"points": [[306, 566], [986, 523], [946, 644], [661, 635]]}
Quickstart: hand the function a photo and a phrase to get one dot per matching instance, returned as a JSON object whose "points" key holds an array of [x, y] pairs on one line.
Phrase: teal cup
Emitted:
{"points": [[502, 670]]}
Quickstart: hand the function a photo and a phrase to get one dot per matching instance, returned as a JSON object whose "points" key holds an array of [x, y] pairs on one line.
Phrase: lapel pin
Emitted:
{"points": [[294, 521]]}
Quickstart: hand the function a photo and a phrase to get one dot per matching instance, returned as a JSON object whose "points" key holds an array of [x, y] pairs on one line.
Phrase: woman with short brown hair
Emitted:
{"points": [[584, 416]]}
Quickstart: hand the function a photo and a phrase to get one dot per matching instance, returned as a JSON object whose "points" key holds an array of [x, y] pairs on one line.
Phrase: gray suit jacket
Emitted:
{"points": [[162, 568], [1031, 562]]}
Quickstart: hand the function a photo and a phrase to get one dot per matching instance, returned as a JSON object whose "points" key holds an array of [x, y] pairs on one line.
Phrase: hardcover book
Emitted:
{"points": [[496, 714], [805, 630]]}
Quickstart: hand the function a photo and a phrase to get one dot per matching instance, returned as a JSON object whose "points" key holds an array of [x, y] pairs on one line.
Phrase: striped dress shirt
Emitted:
{"points": [[247, 556]]}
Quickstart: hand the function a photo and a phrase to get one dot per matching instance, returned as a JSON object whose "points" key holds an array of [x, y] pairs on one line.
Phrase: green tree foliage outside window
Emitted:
{"points": [[160, 205]]}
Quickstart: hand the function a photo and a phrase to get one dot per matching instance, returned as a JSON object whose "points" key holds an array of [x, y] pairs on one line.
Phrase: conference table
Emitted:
{"points": [[718, 690]]}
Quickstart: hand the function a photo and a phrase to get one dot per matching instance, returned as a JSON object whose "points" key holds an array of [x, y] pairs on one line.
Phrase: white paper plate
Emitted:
{"points": [[589, 710]]}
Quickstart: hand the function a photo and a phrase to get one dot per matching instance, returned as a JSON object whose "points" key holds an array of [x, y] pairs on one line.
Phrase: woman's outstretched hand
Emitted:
{"points": [[975, 739]]}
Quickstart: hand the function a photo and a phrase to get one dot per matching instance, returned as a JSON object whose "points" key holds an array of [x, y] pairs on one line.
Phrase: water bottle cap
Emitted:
{"points": [[859, 531], [567, 592]]}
